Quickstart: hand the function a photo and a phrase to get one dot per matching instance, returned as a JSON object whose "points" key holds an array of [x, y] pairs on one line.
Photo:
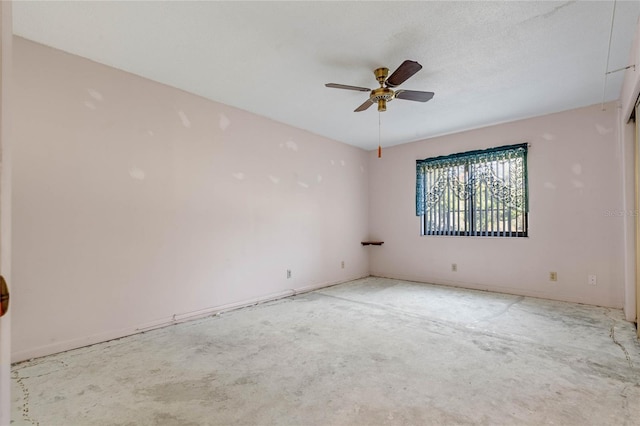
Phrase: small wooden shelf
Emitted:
{"points": [[372, 243]]}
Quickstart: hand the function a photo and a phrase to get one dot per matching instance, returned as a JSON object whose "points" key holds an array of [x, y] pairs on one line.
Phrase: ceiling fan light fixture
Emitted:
{"points": [[382, 105]]}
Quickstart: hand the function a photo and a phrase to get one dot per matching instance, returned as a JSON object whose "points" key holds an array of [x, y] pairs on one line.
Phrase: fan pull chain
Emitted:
{"points": [[379, 146]]}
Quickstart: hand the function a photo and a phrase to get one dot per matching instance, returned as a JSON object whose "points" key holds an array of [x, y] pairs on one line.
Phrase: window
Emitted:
{"points": [[477, 193]]}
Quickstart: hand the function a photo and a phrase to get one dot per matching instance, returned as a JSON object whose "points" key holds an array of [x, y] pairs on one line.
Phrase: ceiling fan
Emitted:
{"points": [[385, 92]]}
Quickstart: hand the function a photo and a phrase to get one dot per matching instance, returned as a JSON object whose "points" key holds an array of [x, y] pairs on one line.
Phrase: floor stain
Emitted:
{"points": [[184, 391], [25, 398]]}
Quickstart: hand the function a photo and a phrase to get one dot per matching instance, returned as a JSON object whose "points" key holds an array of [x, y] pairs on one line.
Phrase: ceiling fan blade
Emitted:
{"points": [[402, 74], [344, 86], [364, 106], [414, 95]]}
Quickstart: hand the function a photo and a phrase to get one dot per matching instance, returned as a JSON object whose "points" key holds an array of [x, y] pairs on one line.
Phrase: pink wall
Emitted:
{"points": [[574, 182], [135, 202]]}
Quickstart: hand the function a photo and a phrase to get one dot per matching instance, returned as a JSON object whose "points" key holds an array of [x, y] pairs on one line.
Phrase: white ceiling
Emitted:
{"points": [[487, 62]]}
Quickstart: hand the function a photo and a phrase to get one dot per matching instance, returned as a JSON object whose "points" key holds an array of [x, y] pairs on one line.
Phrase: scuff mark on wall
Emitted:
{"points": [[238, 175], [90, 105], [274, 179], [548, 137], [224, 122], [292, 145], [184, 119], [136, 173], [95, 94], [576, 169], [603, 130]]}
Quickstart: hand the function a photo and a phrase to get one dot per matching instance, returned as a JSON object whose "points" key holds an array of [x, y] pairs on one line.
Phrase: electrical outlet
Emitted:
{"points": [[553, 276], [288, 273], [454, 267], [342, 264], [592, 279]]}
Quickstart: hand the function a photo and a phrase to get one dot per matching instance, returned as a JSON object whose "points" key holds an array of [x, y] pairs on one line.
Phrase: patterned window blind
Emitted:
{"points": [[477, 193]]}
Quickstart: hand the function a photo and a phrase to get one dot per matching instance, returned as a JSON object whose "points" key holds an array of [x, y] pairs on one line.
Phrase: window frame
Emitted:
{"points": [[509, 155]]}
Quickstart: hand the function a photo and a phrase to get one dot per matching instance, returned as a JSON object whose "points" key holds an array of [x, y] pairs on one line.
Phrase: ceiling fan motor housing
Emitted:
{"points": [[381, 96]]}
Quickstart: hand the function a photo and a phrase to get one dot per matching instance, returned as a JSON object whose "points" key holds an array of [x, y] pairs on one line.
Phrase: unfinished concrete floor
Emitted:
{"points": [[369, 352]]}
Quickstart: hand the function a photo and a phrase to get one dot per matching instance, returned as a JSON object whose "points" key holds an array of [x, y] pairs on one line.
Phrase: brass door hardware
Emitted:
{"points": [[4, 296]]}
